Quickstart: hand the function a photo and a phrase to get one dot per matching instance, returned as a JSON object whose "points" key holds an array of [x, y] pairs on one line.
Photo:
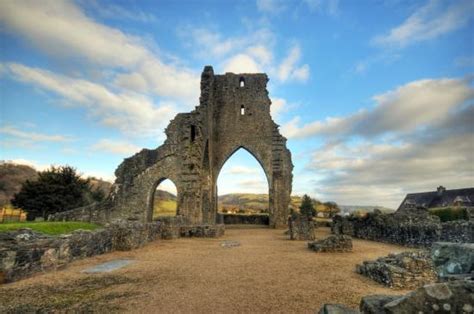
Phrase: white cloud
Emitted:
{"points": [[271, 6], [241, 170], [31, 163], [242, 63], [278, 107], [249, 53], [114, 11], [403, 109], [417, 137], [168, 186], [61, 29], [42, 167], [434, 19], [33, 136], [115, 147], [128, 112], [288, 69]]}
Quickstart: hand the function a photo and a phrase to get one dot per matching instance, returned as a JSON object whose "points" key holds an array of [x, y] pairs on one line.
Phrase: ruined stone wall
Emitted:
{"points": [[416, 228], [25, 252], [229, 117]]}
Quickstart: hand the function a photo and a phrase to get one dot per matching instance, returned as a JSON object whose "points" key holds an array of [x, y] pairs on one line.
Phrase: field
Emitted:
{"points": [[164, 208], [51, 228], [266, 273]]}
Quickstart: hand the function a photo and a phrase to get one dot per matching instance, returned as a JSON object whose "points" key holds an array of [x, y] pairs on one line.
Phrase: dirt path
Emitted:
{"points": [[266, 273]]}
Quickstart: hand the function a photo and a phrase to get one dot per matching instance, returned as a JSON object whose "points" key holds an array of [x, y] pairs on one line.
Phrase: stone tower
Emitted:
{"points": [[234, 113]]}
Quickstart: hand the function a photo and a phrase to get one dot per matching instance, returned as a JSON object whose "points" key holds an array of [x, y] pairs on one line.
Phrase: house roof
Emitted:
{"points": [[440, 199]]}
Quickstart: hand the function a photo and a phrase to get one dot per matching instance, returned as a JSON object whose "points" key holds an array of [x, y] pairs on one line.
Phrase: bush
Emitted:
{"points": [[57, 189], [450, 213]]}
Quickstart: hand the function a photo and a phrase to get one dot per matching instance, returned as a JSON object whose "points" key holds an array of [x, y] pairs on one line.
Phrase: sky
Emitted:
{"points": [[375, 97]]}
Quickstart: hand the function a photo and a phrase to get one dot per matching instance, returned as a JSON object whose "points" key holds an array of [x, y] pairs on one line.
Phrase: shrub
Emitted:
{"points": [[450, 213], [307, 208]]}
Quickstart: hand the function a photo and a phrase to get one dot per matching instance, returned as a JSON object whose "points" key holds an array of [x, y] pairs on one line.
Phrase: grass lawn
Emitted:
{"points": [[49, 227], [164, 208]]}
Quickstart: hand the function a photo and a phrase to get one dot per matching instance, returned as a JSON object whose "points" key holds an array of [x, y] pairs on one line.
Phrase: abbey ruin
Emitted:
{"points": [[233, 113]]}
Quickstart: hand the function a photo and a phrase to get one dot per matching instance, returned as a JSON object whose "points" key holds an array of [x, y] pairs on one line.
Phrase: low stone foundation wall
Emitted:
{"points": [[95, 212], [238, 219], [333, 243], [407, 270], [411, 229], [25, 252], [460, 231]]}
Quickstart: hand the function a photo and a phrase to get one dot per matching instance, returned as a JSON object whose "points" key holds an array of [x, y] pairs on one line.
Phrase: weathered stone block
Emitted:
{"points": [[301, 227], [374, 304], [453, 297], [336, 309], [453, 259]]}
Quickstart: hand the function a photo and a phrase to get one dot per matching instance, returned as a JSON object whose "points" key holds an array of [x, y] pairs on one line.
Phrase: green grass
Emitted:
{"points": [[164, 208], [49, 227]]}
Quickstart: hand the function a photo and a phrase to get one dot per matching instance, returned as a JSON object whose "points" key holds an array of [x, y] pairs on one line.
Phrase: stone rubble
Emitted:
{"points": [[451, 297], [407, 270]]}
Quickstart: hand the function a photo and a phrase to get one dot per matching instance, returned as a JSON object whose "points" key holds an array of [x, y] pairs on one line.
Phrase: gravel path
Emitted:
{"points": [[265, 273]]}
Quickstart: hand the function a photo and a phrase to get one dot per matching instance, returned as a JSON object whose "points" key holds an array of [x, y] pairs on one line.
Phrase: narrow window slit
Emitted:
{"points": [[242, 82], [193, 133], [242, 110]]}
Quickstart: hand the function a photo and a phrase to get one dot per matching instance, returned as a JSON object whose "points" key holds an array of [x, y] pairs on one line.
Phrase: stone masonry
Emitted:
{"points": [[234, 113]]}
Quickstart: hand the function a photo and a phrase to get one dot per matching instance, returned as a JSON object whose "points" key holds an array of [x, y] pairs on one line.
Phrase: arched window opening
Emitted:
{"points": [[242, 82], [243, 190], [242, 110], [193, 133], [165, 200]]}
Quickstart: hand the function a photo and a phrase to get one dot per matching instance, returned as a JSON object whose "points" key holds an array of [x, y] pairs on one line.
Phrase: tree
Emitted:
{"points": [[307, 208], [333, 208], [57, 189]]}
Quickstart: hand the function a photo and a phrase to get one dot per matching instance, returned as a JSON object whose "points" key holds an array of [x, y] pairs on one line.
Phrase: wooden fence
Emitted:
{"points": [[12, 215]]}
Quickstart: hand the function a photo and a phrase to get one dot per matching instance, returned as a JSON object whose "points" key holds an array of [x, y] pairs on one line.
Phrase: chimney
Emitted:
{"points": [[441, 190]]}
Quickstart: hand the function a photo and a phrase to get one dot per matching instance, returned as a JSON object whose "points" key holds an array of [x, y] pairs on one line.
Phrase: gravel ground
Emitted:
{"points": [[265, 273]]}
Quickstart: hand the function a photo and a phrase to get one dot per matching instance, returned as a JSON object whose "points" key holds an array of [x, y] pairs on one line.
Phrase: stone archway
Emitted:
{"points": [[234, 112], [152, 199], [255, 158]]}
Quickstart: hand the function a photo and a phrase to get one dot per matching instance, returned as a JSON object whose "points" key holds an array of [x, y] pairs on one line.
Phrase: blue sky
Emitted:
{"points": [[375, 97]]}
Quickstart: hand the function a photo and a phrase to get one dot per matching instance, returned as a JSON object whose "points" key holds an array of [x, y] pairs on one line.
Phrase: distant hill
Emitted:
{"points": [[164, 204], [363, 209], [12, 176], [258, 202]]}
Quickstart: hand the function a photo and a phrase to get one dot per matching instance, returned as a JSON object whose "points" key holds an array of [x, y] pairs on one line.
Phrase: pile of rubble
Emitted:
{"points": [[407, 270]]}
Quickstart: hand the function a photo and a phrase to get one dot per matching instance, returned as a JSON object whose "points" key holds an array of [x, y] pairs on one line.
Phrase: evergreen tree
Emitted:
{"points": [[57, 189], [306, 207]]}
